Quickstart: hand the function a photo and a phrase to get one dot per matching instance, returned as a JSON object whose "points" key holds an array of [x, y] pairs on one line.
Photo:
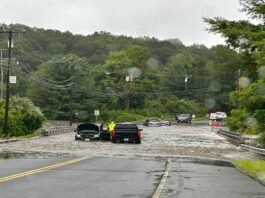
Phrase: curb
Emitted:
{"points": [[9, 140], [250, 175]]}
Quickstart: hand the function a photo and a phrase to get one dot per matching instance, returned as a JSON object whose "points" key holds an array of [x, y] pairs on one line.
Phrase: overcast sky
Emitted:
{"points": [[162, 19]]}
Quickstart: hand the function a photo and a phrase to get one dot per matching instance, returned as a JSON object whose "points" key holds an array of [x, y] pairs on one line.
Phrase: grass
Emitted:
{"points": [[29, 135], [255, 168]]}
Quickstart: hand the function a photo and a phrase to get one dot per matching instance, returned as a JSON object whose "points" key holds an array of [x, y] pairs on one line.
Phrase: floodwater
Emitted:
{"points": [[182, 140]]}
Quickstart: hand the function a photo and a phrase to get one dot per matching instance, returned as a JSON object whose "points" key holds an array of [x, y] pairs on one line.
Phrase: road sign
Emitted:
{"points": [[96, 112], [13, 79]]}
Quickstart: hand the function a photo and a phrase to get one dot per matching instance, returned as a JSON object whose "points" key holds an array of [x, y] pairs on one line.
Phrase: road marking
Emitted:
{"points": [[162, 181], [42, 169]]}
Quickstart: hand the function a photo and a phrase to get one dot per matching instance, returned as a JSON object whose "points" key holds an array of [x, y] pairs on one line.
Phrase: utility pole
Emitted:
{"points": [[71, 105], [186, 84], [2, 74], [127, 97], [10, 53], [237, 80]]}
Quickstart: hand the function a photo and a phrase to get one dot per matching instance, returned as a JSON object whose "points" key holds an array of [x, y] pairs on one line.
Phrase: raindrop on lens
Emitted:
{"points": [[153, 63], [244, 82], [209, 103], [261, 71], [135, 72], [250, 121], [215, 86]]}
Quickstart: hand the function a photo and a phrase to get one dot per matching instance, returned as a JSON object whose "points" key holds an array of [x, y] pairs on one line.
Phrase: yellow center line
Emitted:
{"points": [[42, 169]]}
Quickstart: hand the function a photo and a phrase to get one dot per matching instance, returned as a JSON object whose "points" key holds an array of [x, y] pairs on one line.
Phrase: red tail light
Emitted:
{"points": [[113, 133], [139, 133]]}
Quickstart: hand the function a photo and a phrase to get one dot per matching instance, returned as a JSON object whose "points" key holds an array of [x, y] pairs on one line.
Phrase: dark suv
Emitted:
{"points": [[184, 118]]}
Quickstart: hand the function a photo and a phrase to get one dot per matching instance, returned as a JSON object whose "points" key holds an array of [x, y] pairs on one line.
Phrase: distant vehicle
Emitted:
{"points": [[87, 131], [218, 116], [165, 123], [221, 115], [152, 122], [184, 118], [126, 132]]}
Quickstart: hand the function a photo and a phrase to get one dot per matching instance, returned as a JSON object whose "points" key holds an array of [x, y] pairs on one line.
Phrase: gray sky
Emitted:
{"points": [[162, 19]]}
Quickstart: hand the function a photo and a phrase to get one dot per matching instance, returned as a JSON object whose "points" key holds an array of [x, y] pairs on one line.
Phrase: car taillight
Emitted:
{"points": [[148, 123], [139, 133], [113, 133]]}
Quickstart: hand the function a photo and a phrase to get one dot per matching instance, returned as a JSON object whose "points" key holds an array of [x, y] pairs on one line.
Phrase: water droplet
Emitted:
{"points": [[209, 103], [260, 90], [251, 121], [261, 71], [215, 86], [244, 82], [153, 63], [135, 72], [82, 115]]}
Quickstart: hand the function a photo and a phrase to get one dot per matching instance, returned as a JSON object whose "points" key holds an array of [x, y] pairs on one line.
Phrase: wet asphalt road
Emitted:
{"points": [[128, 170], [126, 177], [95, 177]]}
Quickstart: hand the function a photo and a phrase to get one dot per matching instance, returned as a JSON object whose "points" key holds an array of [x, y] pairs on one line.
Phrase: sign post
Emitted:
{"points": [[96, 112]]}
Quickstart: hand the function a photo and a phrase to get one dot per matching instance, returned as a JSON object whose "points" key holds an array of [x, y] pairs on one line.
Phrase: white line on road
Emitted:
{"points": [[162, 181]]}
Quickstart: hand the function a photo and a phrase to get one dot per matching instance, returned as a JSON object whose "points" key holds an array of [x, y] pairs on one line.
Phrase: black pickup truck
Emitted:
{"points": [[126, 132]]}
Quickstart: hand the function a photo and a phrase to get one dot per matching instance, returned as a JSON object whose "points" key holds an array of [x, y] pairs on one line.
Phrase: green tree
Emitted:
{"points": [[248, 38]]}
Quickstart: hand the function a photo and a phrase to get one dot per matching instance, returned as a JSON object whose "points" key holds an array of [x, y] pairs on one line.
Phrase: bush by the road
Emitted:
{"points": [[23, 118]]}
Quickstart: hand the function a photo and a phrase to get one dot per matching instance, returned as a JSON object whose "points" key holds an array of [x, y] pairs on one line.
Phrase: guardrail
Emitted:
{"points": [[253, 149], [57, 130], [239, 140], [234, 137]]}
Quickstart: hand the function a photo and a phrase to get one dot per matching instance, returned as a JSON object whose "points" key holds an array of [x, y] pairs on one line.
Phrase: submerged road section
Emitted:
{"points": [[182, 161]]}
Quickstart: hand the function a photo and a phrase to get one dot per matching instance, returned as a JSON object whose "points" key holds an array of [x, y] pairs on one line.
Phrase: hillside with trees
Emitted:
{"points": [[65, 74]]}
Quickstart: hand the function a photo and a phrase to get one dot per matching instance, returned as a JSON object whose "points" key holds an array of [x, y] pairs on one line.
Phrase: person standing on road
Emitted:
{"points": [[111, 127]]}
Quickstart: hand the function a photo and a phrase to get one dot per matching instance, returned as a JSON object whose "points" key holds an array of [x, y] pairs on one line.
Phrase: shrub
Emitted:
{"points": [[261, 140], [23, 117]]}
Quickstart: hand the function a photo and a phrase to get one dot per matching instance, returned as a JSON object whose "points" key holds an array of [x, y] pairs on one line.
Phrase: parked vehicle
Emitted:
{"points": [[152, 122], [126, 132], [218, 116], [165, 123], [87, 131], [184, 118]]}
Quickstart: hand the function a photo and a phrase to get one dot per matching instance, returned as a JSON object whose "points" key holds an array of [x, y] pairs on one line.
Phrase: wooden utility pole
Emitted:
{"points": [[2, 75], [237, 80], [10, 53]]}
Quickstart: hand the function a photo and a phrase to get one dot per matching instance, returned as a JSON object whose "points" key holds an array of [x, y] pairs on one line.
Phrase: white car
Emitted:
{"points": [[218, 116]]}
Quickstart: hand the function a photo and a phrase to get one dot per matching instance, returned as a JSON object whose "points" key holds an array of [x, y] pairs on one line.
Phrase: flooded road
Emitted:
{"points": [[172, 141], [198, 166]]}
